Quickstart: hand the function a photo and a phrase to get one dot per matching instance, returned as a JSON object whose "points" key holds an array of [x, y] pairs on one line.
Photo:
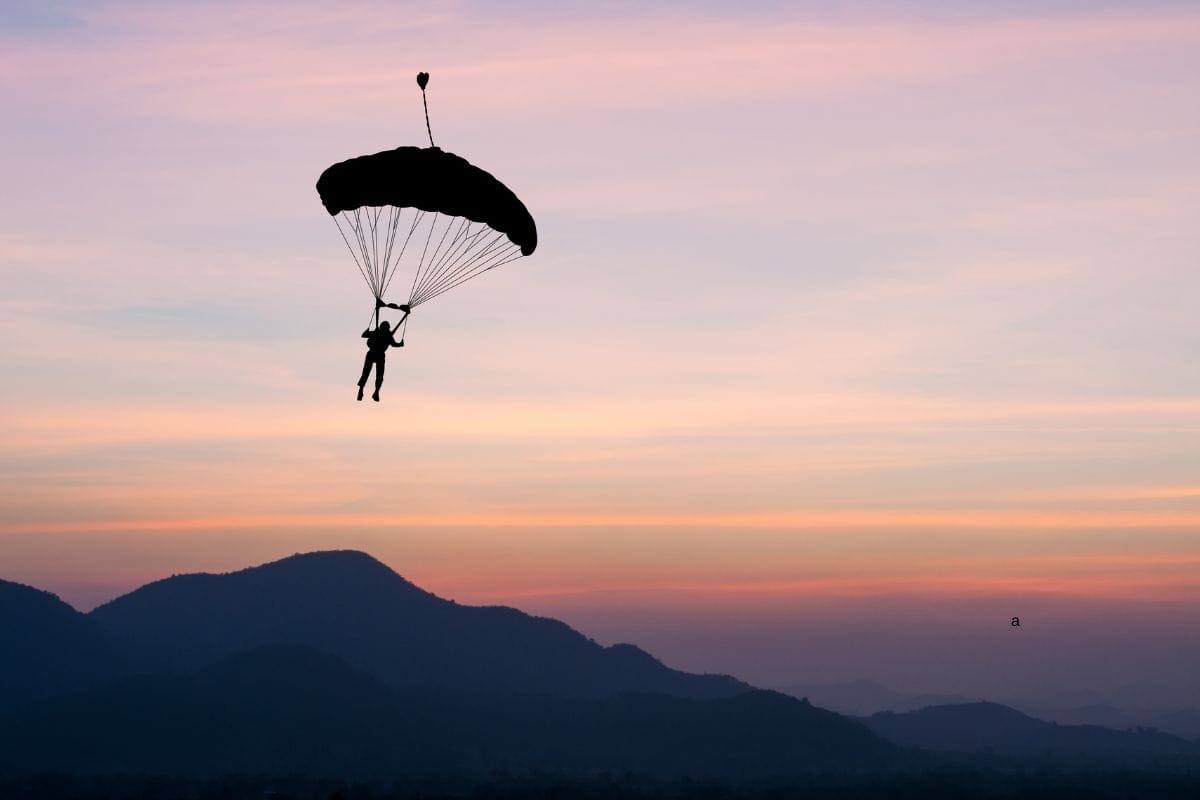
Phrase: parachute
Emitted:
{"points": [[426, 211]]}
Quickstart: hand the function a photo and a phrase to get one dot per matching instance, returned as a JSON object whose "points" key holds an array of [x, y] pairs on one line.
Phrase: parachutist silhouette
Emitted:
{"points": [[453, 220], [378, 342]]}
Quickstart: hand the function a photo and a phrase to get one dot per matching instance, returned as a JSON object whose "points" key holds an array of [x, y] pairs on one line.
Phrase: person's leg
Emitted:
{"points": [[366, 370], [379, 365]]}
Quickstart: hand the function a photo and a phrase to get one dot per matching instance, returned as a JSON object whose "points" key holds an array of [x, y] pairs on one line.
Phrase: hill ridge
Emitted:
{"points": [[349, 603]]}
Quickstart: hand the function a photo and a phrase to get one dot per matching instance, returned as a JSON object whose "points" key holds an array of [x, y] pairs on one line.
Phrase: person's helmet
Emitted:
{"points": [[385, 325]]}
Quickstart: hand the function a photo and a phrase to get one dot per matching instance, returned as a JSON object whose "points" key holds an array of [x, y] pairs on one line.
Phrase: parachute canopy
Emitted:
{"points": [[430, 179], [454, 219]]}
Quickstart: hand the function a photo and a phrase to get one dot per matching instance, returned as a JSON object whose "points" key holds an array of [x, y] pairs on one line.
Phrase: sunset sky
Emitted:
{"points": [[853, 331]]}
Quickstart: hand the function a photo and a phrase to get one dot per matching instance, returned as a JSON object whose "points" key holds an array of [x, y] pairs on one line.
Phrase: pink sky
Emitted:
{"points": [[835, 315]]}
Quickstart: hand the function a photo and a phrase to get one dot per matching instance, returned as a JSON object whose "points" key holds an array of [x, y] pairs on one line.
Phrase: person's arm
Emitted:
{"points": [[398, 324]]}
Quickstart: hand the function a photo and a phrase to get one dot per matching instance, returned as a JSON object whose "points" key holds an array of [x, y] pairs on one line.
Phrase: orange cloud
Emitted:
{"points": [[733, 412], [1011, 520]]}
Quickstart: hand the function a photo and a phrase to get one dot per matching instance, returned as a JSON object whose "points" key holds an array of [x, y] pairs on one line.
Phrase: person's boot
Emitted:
{"points": [[360, 390], [375, 396]]}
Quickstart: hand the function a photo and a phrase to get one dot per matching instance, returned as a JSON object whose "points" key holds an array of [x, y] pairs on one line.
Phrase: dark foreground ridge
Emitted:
{"points": [[288, 710], [951, 783]]}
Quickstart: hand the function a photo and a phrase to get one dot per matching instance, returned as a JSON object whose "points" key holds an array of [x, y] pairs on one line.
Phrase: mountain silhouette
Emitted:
{"points": [[864, 697], [332, 665], [859, 697], [1101, 714], [347, 603], [998, 729], [48, 646], [1185, 722]]}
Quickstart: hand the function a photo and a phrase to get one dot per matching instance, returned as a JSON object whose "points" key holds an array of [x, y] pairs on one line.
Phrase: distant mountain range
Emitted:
{"points": [[861, 698], [332, 664], [1003, 731]]}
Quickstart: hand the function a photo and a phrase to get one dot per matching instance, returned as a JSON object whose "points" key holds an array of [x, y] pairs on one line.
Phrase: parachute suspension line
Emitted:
{"points": [[428, 239], [418, 215], [397, 215], [464, 250], [433, 259], [439, 256], [464, 256], [366, 252], [509, 256], [454, 254], [454, 269], [366, 248], [389, 240], [383, 236], [363, 252], [492, 251], [468, 259], [354, 226], [502, 257], [429, 260], [373, 219], [467, 266], [368, 239], [353, 254]]}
